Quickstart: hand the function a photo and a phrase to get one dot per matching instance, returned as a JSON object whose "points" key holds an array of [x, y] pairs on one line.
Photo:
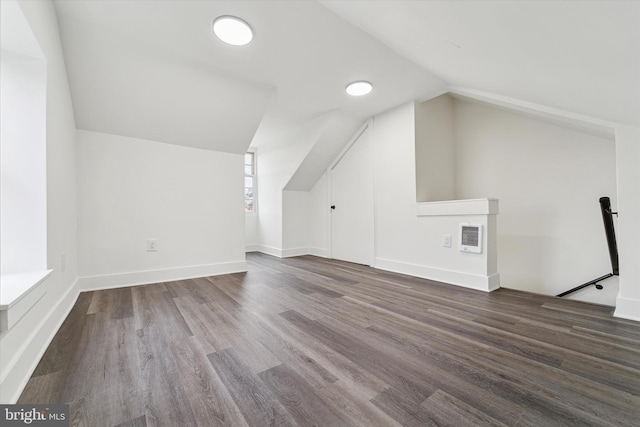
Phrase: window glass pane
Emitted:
{"points": [[249, 182]]}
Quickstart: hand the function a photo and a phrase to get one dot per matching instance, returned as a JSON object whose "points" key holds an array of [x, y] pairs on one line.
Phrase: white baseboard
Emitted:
{"points": [[110, 281], [252, 247], [627, 308], [321, 252], [286, 253], [18, 370], [472, 281], [269, 250]]}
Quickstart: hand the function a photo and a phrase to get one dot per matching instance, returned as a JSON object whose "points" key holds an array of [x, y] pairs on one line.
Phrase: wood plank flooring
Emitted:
{"points": [[309, 341]]}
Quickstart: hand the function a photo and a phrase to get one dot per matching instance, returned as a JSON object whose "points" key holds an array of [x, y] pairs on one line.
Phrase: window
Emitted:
{"points": [[23, 161], [23, 167], [250, 182]]}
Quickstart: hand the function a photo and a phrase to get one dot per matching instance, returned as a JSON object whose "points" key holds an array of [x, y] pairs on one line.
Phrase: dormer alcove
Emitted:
{"points": [[547, 174]]}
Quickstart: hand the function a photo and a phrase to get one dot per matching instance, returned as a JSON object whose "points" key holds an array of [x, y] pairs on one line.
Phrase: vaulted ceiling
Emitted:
{"points": [[578, 56], [154, 70]]}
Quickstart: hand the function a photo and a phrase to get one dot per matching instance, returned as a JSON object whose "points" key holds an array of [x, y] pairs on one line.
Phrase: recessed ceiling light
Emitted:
{"points": [[232, 30], [359, 88]]}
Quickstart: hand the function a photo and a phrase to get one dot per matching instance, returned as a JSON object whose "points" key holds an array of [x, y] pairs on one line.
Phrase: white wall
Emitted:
{"points": [[435, 168], [24, 169], [22, 346], [548, 179], [405, 242], [295, 222], [271, 181], [277, 162], [131, 190], [251, 233], [628, 178], [319, 218]]}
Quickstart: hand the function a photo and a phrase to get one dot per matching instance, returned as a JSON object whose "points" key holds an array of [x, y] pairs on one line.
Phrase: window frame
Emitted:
{"points": [[254, 177]]}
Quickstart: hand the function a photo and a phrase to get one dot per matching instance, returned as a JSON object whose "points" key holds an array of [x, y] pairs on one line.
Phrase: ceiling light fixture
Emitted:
{"points": [[359, 88], [232, 30]]}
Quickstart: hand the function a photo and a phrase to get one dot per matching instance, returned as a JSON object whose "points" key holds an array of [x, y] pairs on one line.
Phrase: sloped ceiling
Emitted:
{"points": [[578, 56], [154, 70]]}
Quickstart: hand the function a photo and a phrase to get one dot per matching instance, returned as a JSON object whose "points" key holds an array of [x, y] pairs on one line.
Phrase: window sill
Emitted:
{"points": [[18, 294]]}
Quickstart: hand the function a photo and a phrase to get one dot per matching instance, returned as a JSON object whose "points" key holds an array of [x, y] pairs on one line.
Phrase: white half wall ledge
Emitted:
{"points": [[627, 308], [122, 280], [18, 294], [449, 277], [458, 207], [16, 372]]}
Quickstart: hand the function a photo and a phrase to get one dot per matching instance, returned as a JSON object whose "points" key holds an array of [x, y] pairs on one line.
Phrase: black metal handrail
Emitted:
{"points": [[607, 219]]}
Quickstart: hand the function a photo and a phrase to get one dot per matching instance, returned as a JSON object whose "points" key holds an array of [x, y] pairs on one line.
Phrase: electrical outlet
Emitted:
{"points": [[152, 245], [446, 240]]}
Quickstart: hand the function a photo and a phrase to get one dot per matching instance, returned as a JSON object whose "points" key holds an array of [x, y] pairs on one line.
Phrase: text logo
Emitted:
{"points": [[34, 415]]}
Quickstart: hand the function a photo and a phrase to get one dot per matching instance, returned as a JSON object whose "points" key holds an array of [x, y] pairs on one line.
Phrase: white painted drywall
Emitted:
{"points": [[319, 218], [435, 162], [251, 235], [23, 345], [271, 162], [131, 190], [295, 222], [277, 163], [405, 242], [23, 141], [628, 179], [548, 179]]}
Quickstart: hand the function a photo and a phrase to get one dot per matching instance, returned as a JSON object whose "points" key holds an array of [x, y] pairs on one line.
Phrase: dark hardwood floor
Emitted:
{"points": [[310, 341]]}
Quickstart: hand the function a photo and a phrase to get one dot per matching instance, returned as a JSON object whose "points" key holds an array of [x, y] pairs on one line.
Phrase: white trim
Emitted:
{"points": [[329, 217], [627, 308], [43, 344], [24, 291], [319, 252], [252, 247], [17, 286], [367, 125], [109, 281], [582, 122], [291, 252], [352, 141], [458, 207], [269, 250], [467, 280]]}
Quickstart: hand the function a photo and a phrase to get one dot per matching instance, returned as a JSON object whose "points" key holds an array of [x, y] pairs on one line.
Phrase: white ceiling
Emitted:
{"points": [[154, 70], [578, 56]]}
